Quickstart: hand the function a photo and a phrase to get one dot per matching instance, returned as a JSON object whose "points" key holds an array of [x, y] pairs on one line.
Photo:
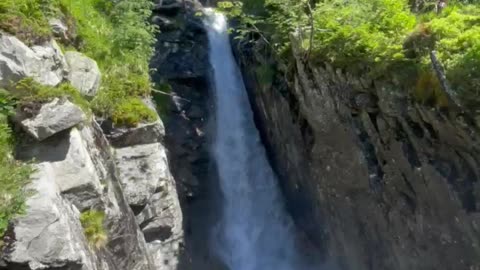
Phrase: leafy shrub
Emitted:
{"points": [[118, 36], [7, 103], [93, 227], [362, 33], [115, 34]]}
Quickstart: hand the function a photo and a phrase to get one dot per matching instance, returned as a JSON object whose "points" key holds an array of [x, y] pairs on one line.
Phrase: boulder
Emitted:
{"points": [[84, 73], [78, 168], [142, 168], [49, 235], [145, 133], [44, 63], [161, 222], [52, 117]]}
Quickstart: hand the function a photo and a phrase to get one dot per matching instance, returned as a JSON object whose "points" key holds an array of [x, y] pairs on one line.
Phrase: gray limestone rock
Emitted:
{"points": [[84, 73], [44, 63], [49, 235], [141, 170], [52, 117]]}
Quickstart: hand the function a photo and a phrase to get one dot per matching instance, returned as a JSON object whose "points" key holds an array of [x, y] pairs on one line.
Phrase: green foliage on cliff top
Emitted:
{"points": [[93, 226], [115, 34], [14, 176], [379, 38], [25, 19]]}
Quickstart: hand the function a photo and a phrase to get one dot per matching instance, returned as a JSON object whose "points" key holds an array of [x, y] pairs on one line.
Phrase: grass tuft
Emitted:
{"points": [[93, 227]]}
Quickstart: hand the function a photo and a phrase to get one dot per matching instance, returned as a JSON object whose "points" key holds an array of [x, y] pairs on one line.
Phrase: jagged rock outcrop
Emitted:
{"points": [[150, 189], [77, 170], [377, 181], [51, 118], [44, 63], [76, 173], [84, 73], [50, 234]]}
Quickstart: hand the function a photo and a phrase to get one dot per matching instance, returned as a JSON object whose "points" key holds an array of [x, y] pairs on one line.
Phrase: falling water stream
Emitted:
{"points": [[255, 232]]}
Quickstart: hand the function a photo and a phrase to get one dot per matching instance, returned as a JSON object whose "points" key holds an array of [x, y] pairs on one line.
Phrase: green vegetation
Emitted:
{"points": [[119, 38], [457, 36], [25, 19], [14, 176], [27, 90], [115, 34], [93, 227], [377, 38]]}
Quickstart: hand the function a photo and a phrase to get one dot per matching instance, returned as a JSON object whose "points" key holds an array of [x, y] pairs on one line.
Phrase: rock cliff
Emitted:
{"points": [[378, 181], [84, 164]]}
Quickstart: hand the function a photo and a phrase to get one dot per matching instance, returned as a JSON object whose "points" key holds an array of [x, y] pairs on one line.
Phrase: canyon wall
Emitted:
{"points": [[374, 179]]}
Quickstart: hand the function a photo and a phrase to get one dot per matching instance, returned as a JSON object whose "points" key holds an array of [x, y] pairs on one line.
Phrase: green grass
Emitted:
{"points": [[14, 176], [27, 90], [93, 227], [381, 39], [116, 35]]}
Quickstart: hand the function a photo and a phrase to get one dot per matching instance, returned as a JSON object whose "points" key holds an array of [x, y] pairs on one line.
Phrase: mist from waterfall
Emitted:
{"points": [[255, 232]]}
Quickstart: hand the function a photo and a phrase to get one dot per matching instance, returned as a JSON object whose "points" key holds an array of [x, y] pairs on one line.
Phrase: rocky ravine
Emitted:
{"points": [[377, 181], [83, 163]]}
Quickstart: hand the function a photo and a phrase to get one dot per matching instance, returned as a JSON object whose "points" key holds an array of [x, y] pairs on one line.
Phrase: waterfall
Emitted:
{"points": [[255, 232]]}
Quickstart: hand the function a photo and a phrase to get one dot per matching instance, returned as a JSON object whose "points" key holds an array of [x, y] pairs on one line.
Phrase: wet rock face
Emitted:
{"points": [[376, 181], [181, 61]]}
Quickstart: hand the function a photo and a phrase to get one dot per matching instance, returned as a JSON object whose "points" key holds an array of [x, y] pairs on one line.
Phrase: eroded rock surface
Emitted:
{"points": [[51, 118]]}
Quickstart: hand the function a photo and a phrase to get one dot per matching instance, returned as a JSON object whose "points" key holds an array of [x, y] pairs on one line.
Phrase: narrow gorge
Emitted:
{"points": [[237, 135]]}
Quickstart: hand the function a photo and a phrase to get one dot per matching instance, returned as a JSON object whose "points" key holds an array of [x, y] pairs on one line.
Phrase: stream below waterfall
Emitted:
{"points": [[254, 231]]}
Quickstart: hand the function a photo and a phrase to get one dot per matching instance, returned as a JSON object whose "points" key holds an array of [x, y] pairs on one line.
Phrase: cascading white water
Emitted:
{"points": [[255, 232]]}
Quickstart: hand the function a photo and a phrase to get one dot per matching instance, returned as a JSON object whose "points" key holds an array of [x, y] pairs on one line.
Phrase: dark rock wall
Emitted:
{"points": [[181, 61], [375, 180]]}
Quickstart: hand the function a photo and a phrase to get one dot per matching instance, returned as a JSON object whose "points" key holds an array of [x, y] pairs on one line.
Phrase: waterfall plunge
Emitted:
{"points": [[255, 232]]}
